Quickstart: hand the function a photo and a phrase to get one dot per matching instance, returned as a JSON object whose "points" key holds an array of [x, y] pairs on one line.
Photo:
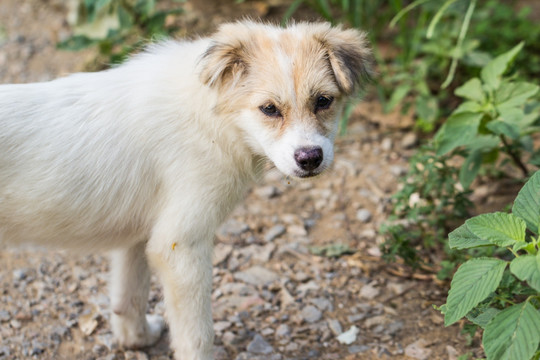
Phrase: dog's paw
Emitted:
{"points": [[134, 336]]}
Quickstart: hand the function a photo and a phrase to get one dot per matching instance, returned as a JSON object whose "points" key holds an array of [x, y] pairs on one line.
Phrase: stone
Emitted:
{"points": [[297, 230], [257, 276], [4, 351], [335, 327], [4, 316], [20, 274], [364, 215], [369, 292], [266, 192], [349, 336], [418, 350], [323, 304], [220, 353], [356, 349], [311, 314], [283, 330], [386, 144], [232, 227], [274, 232], [398, 171], [259, 346], [409, 140], [221, 253], [220, 326], [394, 328]]}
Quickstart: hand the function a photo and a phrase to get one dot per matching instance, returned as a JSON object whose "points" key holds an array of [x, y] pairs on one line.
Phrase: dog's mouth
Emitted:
{"points": [[303, 174]]}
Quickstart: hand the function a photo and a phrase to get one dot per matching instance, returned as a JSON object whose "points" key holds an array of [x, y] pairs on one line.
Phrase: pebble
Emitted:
{"points": [[386, 144], [364, 215], [311, 314], [112, 356], [4, 351], [135, 355], [256, 275], [283, 330], [20, 274], [297, 230], [220, 326], [409, 140], [335, 326], [266, 192], [4, 316], [221, 253], [398, 171], [16, 324], [259, 346], [274, 232], [356, 349], [369, 292], [349, 336], [418, 350], [220, 353], [323, 304], [232, 227]]}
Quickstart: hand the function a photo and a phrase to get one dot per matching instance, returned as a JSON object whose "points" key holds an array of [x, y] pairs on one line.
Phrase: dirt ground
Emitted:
{"points": [[273, 298]]}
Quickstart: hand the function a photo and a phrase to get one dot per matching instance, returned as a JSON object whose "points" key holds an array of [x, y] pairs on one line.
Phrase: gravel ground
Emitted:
{"points": [[273, 297]]}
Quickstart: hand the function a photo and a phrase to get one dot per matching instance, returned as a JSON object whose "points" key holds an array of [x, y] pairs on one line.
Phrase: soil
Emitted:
{"points": [[273, 297]]}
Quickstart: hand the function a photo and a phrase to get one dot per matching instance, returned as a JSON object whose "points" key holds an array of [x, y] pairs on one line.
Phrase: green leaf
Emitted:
{"points": [[483, 318], [463, 238], [527, 203], [472, 90], [397, 96], [468, 106], [514, 94], [76, 43], [501, 127], [458, 130], [472, 283], [513, 334], [527, 268], [470, 168], [484, 143], [492, 72], [499, 228], [100, 4], [332, 250]]}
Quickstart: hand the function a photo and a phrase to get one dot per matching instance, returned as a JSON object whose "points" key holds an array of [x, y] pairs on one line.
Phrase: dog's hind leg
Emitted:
{"points": [[129, 286]]}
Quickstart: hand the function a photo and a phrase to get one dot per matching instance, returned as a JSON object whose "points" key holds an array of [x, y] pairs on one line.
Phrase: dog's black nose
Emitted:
{"points": [[309, 158]]}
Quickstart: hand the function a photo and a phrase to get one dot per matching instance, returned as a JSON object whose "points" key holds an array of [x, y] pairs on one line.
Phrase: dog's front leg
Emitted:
{"points": [[129, 285], [184, 266]]}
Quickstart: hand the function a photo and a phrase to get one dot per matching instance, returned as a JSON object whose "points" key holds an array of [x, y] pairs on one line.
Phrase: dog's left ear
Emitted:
{"points": [[225, 60], [350, 57]]}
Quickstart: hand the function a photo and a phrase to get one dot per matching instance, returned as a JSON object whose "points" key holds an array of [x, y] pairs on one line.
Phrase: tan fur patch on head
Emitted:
{"points": [[255, 64]]}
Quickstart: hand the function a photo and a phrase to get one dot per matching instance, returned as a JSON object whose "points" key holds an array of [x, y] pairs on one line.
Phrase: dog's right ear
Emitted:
{"points": [[225, 61]]}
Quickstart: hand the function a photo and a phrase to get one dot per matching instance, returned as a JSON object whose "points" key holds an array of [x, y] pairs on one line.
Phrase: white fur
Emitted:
{"points": [[136, 160]]}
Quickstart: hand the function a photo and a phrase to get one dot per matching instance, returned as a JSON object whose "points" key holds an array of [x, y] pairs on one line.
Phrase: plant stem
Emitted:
{"points": [[514, 156]]}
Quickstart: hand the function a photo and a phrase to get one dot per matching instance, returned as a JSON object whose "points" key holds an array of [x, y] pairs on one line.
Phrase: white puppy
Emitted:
{"points": [[148, 158]]}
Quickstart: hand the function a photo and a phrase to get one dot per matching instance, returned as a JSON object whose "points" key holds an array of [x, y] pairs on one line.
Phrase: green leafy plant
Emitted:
{"points": [[501, 294], [429, 201], [496, 117], [118, 27]]}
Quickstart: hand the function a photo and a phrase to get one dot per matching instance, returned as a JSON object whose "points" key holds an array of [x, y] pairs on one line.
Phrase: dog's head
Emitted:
{"points": [[285, 88]]}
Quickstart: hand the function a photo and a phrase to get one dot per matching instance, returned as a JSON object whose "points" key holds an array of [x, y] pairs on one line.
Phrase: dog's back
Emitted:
{"points": [[80, 157]]}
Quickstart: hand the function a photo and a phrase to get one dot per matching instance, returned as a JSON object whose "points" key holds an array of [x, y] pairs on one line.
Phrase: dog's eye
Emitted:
{"points": [[323, 102], [270, 110]]}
